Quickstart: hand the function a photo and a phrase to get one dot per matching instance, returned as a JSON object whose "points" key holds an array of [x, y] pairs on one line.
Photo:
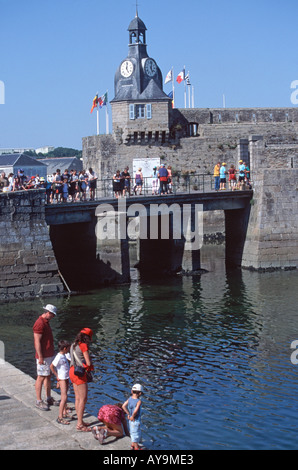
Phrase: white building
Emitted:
{"points": [[15, 150], [45, 149]]}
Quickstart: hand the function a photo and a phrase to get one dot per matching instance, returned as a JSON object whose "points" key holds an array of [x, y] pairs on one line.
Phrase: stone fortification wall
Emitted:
{"points": [[272, 237], [198, 151], [264, 138], [27, 263], [268, 155], [235, 115]]}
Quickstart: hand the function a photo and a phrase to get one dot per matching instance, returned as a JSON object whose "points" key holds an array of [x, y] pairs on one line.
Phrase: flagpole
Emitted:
{"points": [[184, 89], [97, 116], [193, 97], [107, 117], [173, 87], [188, 84]]}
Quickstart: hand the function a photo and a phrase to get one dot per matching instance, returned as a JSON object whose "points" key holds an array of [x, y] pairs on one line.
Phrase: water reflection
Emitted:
{"points": [[212, 351]]}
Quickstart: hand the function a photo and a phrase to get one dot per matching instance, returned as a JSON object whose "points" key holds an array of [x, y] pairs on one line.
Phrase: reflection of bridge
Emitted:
{"points": [[85, 260]]}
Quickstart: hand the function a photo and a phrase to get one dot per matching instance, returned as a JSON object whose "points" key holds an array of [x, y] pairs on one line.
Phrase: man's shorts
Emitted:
{"points": [[44, 369]]}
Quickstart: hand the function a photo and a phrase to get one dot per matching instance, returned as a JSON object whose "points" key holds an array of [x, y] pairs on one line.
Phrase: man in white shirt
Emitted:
{"points": [[92, 178]]}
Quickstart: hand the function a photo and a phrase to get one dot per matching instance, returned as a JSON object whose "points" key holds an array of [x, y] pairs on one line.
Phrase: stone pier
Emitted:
{"points": [[27, 262], [271, 239]]}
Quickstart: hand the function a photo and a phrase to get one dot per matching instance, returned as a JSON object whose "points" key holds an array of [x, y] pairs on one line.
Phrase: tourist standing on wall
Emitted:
{"points": [[58, 185], [44, 354], [138, 181], [216, 174], [155, 181], [222, 175], [126, 181], [163, 179], [247, 173], [117, 184], [73, 185], [3, 182], [92, 178], [232, 178], [82, 185], [241, 172]]}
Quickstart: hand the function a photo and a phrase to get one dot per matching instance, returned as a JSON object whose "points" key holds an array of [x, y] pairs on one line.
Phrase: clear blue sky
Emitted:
{"points": [[55, 55]]}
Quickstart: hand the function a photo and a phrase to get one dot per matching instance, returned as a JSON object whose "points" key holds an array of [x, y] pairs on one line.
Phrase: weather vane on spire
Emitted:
{"points": [[137, 13]]}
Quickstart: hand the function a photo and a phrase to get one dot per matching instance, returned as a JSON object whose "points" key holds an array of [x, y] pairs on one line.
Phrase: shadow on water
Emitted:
{"points": [[212, 352]]}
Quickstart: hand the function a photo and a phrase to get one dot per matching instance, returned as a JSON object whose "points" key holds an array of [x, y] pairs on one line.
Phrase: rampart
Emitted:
{"points": [[199, 138], [28, 267]]}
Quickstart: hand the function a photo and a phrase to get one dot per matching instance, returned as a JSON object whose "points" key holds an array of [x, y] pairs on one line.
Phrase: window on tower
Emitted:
{"points": [[140, 111]]}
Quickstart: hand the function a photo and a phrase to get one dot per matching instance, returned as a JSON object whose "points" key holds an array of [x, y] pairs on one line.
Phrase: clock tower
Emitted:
{"points": [[140, 108]]}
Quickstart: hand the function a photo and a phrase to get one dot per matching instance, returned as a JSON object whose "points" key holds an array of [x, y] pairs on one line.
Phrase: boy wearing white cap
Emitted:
{"points": [[44, 352], [133, 409]]}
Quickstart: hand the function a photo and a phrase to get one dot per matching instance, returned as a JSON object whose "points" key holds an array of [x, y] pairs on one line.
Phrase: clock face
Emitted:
{"points": [[126, 68], [150, 67]]}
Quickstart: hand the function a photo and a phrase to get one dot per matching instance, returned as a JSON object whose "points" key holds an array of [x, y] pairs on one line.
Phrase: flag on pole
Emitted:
{"points": [[95, 102], [169, 77], [181, 76], [171, 95], [102, 100]]}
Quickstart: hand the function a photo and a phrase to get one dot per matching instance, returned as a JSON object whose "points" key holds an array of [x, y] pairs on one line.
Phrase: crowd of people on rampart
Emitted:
{"points": [[74, 186], [64, 186], [160, 181], [235, 179]]}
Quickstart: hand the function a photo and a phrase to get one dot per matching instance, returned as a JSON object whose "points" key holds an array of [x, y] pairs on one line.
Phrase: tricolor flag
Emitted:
{"points": [[181, 76], [102, 101], [169, 77], [95, 102]]}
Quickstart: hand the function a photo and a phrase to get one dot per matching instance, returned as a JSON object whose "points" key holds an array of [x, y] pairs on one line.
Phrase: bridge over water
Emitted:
{"points": [[40, 245], [85, 259]]}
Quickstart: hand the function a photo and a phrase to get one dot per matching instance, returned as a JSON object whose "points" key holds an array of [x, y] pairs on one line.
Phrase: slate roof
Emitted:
{"points": [[137, 24], [62, 163], [150, 93], [20, 159]]}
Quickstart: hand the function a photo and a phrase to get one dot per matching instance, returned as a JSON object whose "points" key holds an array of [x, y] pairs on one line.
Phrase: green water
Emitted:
{"points": [[212, 352]]}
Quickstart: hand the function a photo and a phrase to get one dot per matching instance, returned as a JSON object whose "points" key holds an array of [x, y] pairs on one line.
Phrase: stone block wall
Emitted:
{"points": [[226, 141], [27, 263], [236, 115], [266, 138], [272, 237], [267, 155], [153, 129]]}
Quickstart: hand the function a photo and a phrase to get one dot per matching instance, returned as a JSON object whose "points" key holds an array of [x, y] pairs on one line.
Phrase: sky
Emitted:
{"points": [[55, 55]]}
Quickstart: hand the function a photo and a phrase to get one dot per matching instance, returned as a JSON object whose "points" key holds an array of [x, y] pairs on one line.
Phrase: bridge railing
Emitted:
{"points": [[177, 184]]}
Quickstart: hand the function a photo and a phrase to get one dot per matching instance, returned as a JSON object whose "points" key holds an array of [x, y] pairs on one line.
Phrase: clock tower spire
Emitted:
{"points": [[138, 83]]}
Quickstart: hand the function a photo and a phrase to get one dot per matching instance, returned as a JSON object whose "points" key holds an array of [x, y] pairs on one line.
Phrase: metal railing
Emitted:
{"points": [[178, 184]]}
